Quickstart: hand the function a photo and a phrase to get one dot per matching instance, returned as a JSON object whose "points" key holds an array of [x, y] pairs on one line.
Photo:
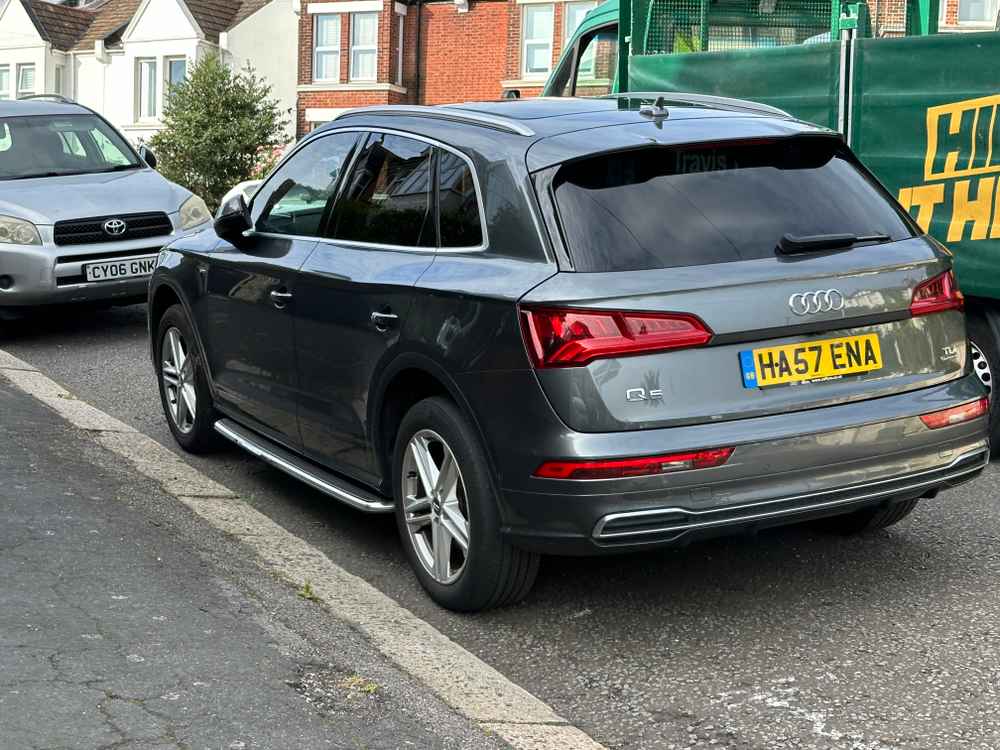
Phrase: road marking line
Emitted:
{"points": [[462, 680]]}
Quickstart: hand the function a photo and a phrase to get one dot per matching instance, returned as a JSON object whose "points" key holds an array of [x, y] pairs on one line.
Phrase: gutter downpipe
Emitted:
{"points": [[420, 26]]}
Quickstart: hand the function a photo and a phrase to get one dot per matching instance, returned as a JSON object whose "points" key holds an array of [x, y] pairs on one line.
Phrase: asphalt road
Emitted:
{"points": [[792, 639]]}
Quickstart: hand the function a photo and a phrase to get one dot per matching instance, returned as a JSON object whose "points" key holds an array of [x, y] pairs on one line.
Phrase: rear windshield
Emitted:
{"points": [[702, 204]]}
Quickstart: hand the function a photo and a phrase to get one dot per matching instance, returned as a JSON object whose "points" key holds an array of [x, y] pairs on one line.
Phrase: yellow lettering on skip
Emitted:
{"points": [[924, 198], [978, 210]]}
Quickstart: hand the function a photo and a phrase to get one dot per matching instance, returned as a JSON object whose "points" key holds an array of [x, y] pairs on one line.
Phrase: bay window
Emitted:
{"points": [[25, 79], [326, 47], [364, 46], [145, 80], [976, 11], [536, 40]]}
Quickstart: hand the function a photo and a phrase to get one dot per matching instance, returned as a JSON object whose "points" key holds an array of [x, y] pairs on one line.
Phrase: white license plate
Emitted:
{"points": [[114, 270]]}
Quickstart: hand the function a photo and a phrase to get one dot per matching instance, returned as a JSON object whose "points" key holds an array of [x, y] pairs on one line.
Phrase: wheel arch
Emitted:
{"points": [[164, 294], [409, 378]]}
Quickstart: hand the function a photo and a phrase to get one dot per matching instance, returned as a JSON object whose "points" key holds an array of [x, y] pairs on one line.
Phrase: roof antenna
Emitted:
{"points": [[657, 111]]}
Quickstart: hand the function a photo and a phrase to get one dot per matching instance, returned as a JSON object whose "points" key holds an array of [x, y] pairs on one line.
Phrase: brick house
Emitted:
{"points": [[358, 52], [956, 16]]}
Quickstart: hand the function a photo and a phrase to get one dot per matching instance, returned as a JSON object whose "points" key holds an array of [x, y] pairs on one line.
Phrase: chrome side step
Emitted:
{"points": [[288, 462]]}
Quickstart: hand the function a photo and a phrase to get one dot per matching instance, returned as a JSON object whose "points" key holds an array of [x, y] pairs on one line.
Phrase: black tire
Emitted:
{"points": [[869, 519], [201, 437], [984, 356], [495, 573]]}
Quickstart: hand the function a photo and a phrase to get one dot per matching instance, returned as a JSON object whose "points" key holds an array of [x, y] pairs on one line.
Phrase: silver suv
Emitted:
{"points": [[82, 214]]}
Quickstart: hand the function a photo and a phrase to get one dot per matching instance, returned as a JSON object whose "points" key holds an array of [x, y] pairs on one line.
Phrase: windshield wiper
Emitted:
{"points": [[41, 174], [812, 243], [121, 168]]}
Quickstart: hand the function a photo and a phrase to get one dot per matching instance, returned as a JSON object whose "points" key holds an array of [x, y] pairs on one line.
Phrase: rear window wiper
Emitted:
{"points": [[811, 243]]}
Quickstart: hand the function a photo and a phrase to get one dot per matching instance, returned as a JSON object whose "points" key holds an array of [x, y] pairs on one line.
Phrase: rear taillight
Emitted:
{"points": [[956, 414], [619, 468], [936, 295], [563, 337]]}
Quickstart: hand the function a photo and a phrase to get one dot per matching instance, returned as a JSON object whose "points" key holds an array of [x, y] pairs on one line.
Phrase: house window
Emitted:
{"points": [[146, 88], [326, 47], [977, 11], [364, 46], [573, 14], [4, 82], [176, 70], [26, 79], [57, 79], [399, 51], [536, 35]]}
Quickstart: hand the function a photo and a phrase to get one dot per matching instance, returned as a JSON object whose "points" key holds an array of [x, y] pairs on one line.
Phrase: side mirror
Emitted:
{"points": [[233, 220], [147, 156]]}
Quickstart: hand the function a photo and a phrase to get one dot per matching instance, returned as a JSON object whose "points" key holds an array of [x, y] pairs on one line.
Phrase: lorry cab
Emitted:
{"points": [[589, 62]]}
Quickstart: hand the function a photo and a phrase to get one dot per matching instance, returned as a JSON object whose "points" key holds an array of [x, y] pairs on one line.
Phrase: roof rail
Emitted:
{"points": [[450, 113], [46, 97], [722, 102]]}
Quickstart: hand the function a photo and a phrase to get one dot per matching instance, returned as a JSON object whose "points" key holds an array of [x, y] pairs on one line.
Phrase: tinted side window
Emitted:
{"points": [[387, 200], [295, 199], [457, 203]]}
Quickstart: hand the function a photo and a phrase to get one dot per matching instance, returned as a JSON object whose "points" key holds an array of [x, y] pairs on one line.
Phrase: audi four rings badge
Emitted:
{"points": [[824, 300]]}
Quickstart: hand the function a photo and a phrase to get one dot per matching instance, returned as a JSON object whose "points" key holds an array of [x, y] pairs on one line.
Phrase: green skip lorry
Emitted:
{"points": [[921, 110]]}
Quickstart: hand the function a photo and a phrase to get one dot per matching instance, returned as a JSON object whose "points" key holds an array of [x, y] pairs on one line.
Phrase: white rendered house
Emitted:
{"points": [[119, 57]]}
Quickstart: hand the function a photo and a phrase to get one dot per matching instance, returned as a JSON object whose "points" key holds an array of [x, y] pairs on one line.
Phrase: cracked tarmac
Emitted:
{"points": [[116, 635]]}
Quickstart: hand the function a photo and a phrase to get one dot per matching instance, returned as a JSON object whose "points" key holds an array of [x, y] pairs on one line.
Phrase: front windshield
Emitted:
{"points": [[49, 146]]}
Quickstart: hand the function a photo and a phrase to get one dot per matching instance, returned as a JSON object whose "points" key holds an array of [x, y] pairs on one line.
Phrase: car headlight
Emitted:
{"points": [[16, 231], [194, 212]]}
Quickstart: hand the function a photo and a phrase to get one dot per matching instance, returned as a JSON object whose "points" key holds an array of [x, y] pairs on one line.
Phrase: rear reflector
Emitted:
{"points": [[936, 295], [562, 337], [619, 468], [956, 414]]}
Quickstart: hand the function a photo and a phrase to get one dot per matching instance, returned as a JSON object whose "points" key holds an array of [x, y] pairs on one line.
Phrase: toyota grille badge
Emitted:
{"points": [[115, 227]]}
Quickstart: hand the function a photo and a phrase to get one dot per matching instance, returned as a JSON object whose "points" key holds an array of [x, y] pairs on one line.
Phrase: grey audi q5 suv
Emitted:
{"points": [[575, 326]]}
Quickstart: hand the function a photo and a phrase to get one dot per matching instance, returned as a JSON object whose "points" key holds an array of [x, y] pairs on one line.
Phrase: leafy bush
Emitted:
{"points": [[220, 128]]}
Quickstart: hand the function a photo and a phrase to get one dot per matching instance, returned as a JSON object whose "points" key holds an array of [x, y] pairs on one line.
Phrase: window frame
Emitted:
{"points": [[526, 41], [17, 83], [6, 94], [335, 196], [140, 84], [987, 23], [327, 49], [353, 47], [351, 163], [168, 61], [58, 78], [401, 26]]}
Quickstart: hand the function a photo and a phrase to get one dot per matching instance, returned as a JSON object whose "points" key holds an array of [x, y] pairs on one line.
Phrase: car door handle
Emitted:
{"points": [[280, 297], [384, 321]]}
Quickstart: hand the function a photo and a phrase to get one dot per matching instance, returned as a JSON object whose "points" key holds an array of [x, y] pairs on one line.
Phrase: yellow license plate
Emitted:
{"points": [[811, 360]]}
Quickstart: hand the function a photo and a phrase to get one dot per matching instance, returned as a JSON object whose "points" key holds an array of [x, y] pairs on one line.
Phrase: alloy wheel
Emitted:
{"points": [[177, 371], [435, 506], [981, 366]]}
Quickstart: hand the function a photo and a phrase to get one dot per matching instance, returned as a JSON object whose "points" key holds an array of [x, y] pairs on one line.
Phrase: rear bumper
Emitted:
{"points": [[670, 524], [784, 469]]}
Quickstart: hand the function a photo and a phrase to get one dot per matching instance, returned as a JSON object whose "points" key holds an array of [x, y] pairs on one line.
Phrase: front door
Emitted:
{"points": [[354, 294], [250, 292]]}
